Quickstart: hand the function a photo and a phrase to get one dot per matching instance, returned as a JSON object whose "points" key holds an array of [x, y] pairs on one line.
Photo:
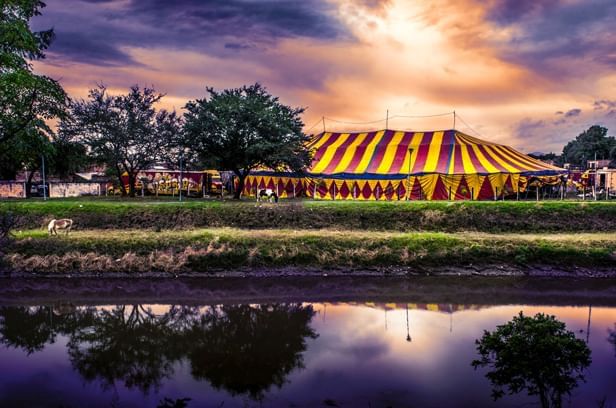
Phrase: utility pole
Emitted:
{"points": [[408, 190], [180, 184], [43, 174]]}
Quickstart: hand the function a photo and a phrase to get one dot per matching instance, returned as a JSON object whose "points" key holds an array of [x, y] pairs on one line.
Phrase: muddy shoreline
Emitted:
{"points": [[475, 290]]}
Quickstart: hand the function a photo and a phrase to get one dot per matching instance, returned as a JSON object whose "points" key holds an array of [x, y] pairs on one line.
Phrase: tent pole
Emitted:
{"points": [[454, 119], [323, 124], [387, 120]]}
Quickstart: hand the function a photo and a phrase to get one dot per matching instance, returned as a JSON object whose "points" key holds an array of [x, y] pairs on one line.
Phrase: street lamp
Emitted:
{"points": [[408, 178]]}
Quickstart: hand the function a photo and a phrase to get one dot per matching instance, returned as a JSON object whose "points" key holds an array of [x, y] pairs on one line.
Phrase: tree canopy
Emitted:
{"points": [[533, 354], [125, 132], [27, 101], [245, 128], [589, 144]]}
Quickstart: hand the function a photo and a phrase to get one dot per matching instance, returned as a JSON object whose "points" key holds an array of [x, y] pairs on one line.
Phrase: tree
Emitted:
{"points": [[245, 349], [125, 132], [241, 129], [589, 144], [537, 354], [27, 100]]}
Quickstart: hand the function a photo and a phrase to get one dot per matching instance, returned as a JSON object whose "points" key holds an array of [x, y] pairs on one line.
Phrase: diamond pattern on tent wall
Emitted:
{"points": [[377, 191], [344, 190], [440, 191], [388, 190], [355, 190], [463, 192], [288, 188], [333, 189], [486, 192], [508, 187], [366, 191], [401, 190], [270, 184]]}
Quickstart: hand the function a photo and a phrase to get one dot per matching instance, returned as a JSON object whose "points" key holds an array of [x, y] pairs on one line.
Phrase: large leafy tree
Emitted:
{"points": [[27, 100], [533, 354], [125, 132], [244, 128], [589, 144]]}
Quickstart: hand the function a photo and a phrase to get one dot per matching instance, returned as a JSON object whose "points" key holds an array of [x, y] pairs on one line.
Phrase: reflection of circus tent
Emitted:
{"points": [[432, 307], [448, 308]]}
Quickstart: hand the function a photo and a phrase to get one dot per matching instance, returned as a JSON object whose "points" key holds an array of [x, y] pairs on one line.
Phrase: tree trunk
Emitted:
{"points": [[131, 184], [29, 183], [241, 177], [122, 187]]}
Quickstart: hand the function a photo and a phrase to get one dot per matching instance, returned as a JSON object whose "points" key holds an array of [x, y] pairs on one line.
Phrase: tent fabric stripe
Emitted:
{"points": [[386, 153], [378, 165]]}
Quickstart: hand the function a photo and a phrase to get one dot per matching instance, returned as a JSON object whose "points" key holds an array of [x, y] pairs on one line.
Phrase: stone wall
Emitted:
{"points": [[15, 189], [75, 189], [12, 189]]}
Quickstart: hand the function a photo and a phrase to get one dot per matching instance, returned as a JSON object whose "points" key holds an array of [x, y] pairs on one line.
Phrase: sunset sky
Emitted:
{"points": [[529, 73]]}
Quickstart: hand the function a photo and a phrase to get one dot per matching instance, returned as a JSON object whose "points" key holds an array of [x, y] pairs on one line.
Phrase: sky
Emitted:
{"points": [[532, 74]]}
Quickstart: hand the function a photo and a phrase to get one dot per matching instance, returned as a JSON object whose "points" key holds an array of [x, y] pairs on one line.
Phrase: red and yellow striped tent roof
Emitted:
{"points": [[385, 155]]}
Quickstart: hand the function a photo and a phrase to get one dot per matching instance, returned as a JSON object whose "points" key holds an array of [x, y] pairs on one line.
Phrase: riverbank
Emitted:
{"points": [[239, 252], [439, 216], [433, 290]]}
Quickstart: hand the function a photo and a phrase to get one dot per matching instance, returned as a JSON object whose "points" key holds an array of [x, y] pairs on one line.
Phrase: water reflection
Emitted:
{"points": [[365, 354], [533, 354], [612, 337], [243, 349]]}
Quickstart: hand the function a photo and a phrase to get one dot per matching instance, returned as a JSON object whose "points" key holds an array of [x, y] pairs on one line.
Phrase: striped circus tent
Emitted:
{"points": [[399, 165]]}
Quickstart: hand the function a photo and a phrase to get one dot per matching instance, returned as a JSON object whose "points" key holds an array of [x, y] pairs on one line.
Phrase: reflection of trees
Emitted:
{"points": [[243, 349], [246, 349], [127, 343], [31, 328], [533, 354]]}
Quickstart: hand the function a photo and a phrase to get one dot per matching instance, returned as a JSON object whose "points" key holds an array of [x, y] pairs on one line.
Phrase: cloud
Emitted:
{"points": [[573, 113], [505, 66], [549, 36], [202, 25]]}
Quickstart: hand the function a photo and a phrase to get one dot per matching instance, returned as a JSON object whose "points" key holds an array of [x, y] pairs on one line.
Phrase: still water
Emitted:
{"points": [[281, 354]]}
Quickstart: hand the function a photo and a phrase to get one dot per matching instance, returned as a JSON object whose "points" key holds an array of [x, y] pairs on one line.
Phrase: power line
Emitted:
{"points": [[356, 123], [422, 116], [467, 125], [313, 126]]}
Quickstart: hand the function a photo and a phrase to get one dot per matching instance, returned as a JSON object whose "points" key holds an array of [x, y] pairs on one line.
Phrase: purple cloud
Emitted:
{"points": [[97, 31], [552, 32]]}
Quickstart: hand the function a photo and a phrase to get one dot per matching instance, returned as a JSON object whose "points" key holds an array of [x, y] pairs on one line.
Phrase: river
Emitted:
{"points": [[253, 348]]}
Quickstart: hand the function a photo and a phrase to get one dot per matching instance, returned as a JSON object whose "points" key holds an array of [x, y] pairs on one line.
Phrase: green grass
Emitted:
{"points": [[485, 216], [203, 250]]}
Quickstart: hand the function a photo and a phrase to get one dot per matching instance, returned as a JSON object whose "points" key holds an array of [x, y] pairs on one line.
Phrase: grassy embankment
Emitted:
{"points": [[211, 250], [494, 217], [212, 236]]}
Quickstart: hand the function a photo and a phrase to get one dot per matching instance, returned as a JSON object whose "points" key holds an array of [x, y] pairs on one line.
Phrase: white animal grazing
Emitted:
{"points": [[63, 224], [268, 195]]}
